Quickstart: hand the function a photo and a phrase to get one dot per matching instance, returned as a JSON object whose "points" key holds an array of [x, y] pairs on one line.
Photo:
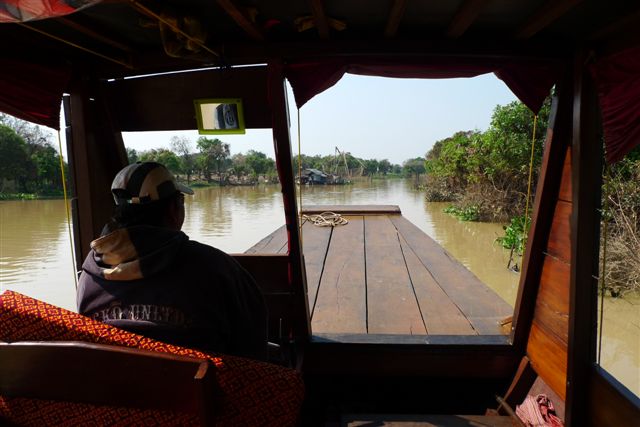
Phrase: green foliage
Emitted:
{"points": [[28, 161], [489, 170], [213, 156], [466, 213], [14, 159], [515, 235], [414, 167], [132, 155]]}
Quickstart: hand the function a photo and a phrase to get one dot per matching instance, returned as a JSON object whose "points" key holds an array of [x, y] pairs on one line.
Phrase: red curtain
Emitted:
{"points": [[36, 99], [531, 83], [617, 79]]}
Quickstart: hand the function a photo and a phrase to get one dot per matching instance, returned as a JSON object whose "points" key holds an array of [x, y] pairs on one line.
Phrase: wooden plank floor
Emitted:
{"points": [[380, 274]]}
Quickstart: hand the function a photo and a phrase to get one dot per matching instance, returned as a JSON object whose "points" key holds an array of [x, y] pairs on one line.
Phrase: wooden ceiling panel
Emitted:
{"points": [[395, 16], [550, 11], [320, 18], [465, 16], [242, 19]]}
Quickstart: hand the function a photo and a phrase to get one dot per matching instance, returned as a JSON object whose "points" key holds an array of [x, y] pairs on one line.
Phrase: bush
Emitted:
{"points": [[467, 213], [515, 235], [621, 214]]}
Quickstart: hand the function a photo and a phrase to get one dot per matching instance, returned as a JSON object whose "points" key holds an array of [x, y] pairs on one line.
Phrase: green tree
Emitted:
{"points": [[414, 167], [384, 166], [161, 155], [259, 163], [239, 166], [371, 167], [45, 162], [14, 160], [213, 154], [182, 147], [132, 155]]}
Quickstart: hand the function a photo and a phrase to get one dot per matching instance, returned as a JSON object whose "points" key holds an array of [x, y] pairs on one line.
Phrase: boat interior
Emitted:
{"points": [[134, 65]]}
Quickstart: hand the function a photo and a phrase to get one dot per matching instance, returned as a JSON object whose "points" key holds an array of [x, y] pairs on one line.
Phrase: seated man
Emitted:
{"points": [[144, 275]]}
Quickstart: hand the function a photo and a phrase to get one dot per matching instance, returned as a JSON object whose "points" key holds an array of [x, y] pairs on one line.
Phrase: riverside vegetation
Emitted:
{"points": [[485, 176]]}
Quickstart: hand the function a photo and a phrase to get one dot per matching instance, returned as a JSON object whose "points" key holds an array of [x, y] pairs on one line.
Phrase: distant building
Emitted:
{"points": [[313, 177]]}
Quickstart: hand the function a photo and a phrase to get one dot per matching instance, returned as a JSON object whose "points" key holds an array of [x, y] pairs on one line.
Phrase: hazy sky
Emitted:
{"points": [[372, 117]]}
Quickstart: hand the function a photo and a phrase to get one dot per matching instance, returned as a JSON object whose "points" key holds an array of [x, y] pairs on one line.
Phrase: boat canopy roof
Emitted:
{"points": [[47, 44]]}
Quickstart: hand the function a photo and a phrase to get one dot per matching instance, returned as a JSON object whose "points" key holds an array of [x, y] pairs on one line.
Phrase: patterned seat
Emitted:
{"points": [[254, 393]]}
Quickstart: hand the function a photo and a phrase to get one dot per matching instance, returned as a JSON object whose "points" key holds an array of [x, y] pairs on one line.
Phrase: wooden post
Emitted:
{"points": [[585, 242], [282, 147], [96, 153]]}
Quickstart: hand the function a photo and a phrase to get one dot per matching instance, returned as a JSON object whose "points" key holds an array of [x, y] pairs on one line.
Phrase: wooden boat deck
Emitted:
{"points": [[380, 274]]}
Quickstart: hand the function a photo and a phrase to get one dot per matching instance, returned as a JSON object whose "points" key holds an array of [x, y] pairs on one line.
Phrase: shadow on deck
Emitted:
{"points": [[380, 274]]}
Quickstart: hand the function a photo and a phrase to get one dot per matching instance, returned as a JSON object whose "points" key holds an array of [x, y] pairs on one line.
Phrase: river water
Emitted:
{"points": [[36, 260]]}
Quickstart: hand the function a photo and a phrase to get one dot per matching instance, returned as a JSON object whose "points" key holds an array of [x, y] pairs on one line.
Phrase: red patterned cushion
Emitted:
{"points": [[256, 393]]}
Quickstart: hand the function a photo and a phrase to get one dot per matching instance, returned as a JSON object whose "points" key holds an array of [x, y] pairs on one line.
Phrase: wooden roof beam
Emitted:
{"points": [[395, 16], [320, 18], [549, 12], [621, 24], [242, 20], [120, 61], [464, 17]]}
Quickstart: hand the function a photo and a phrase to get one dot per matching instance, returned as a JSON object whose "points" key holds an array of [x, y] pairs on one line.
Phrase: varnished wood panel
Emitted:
{"points": [[565, 183], [341, 303], [483, 307], [559, 244], [314, 256], [274, 243], [391, 303], [269, 271], [440, 314], [610, 405], [552, 303], [555, 147], [376, 359], [548, 355]]}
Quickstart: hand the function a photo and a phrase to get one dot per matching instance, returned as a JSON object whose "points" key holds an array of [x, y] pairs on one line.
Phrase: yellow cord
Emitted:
{"points": [[66, 204], [526, 209], [299, 178]]}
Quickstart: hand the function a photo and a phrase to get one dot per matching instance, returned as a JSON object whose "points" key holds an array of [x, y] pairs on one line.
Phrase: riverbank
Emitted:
{"points": [[31, 196]]}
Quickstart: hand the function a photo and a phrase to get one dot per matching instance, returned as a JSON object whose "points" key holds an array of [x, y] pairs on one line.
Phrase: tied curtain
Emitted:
{"points": [[530, 82], [33, 92], [617, 80]]}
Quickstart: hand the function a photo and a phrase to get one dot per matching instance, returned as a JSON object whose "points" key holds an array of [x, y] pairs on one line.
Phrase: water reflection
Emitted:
{"points": [[35, 253]]}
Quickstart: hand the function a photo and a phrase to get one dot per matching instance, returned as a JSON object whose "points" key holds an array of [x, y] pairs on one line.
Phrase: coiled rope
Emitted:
{"points": [[326, 219]]}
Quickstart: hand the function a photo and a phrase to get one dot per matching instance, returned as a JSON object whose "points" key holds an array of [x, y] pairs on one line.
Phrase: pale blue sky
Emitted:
{"points": [[372, 117]]}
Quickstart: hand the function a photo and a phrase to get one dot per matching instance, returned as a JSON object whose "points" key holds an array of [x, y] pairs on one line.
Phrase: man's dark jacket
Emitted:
{"points": [[156, 282]]}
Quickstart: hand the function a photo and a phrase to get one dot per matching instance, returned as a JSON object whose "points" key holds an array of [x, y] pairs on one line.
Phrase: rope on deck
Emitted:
{"points": [[326, 219]]}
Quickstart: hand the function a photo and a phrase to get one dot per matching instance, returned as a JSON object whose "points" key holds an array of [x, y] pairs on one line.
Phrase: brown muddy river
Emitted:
{"points": [[35, 254]]}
